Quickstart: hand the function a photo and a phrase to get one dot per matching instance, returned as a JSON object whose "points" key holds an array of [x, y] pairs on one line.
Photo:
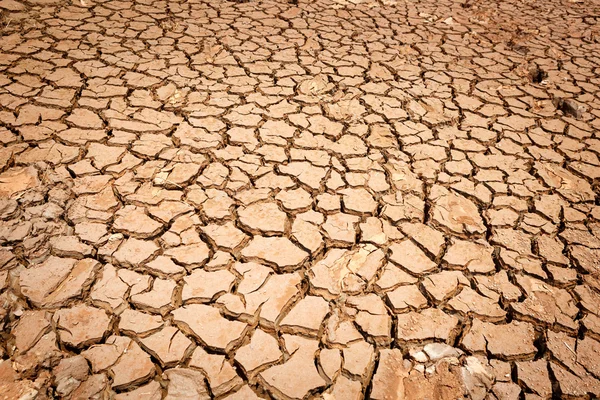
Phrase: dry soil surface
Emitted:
{"points": [[323, 199]]}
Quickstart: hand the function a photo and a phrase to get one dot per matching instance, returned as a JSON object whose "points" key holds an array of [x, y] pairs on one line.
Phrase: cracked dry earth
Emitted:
{"points": [[326, 199]]}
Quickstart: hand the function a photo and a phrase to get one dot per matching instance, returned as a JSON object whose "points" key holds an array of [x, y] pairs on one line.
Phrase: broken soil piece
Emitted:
{"points": [[81, 325], [17, 180], [537, 74], [569, 107]]}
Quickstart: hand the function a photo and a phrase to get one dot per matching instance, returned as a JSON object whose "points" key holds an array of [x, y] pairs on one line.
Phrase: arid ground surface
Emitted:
{"points": [[330, 199]]}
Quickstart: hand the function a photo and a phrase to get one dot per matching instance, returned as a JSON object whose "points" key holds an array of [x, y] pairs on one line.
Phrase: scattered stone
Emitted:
{"points": [[569, 107], [69, 374]]}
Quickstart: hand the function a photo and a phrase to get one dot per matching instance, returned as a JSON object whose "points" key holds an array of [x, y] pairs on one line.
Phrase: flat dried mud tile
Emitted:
{"points": [[263, 217], [92, 388], [573, 385], [191, 255], [44, 353], [295, 199], [498, 285], [444, 285], [57, 280], [135, 222], [16, 180], [70, 246], [534, 375], [151, 391], [184, 383], [427, 237], [306, 316], [409, 256], [269, 299], [225, 236], [132, 368], [262, 350], [358, 200], [31, 326], [372, 317], [159, 299], [137, 323], [135, 252], [305, 172], [344, 388], [455, 212], [221, 375], [475, 257], [428, 324], [168, 345], [331, 362], [279, 379], [406, 298], [546, 303], [341, 330], [341, 228], [275, 250], [208, 325], [109, 290], [345, 271], [103, 356], [572, 187], [392, 277], [81, 325], [245, 393], [506, 341], [359, 358], [202, 286], [470, 302], [164, 267]]}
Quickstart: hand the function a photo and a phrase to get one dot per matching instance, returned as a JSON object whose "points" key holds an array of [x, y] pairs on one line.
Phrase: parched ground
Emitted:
{"points": [[323, 199]]}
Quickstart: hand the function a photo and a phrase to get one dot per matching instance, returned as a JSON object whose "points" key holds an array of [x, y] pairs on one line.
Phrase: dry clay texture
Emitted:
{"points": [[300, 200]]}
